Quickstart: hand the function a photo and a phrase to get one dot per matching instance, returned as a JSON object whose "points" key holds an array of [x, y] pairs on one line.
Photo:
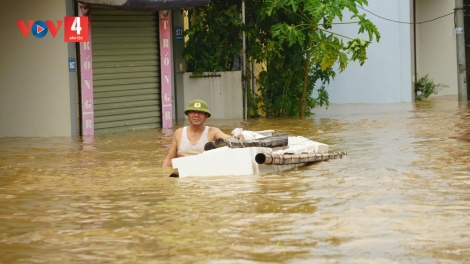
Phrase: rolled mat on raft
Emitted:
{"points": [[278, 140]]}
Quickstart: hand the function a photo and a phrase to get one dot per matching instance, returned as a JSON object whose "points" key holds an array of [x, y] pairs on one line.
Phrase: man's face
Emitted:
{"points": [[197, 118]]}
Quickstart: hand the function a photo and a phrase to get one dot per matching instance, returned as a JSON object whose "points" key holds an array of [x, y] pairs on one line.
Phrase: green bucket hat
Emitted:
{"points": [[198, 105]]}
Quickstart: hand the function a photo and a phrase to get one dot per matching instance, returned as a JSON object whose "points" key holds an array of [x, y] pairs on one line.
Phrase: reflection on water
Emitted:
{"points": [[402, 195]]}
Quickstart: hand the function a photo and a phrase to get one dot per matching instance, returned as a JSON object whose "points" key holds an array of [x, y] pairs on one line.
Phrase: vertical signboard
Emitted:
{"points": [[165, 66], [86, 77]]}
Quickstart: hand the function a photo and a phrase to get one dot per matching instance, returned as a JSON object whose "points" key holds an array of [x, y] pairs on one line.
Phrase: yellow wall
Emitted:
{"points": [[34, 88], [436, 44]]}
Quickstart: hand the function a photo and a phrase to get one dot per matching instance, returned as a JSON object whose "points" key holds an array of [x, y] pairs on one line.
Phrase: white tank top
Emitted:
{"points": [[186, 148]]}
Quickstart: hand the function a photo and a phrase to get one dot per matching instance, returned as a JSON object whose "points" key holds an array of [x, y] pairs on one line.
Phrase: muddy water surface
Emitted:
{"points": [[401, 195]]}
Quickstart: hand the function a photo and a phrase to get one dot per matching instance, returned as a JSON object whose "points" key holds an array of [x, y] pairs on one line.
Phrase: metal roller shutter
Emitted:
{"points": [[126, 72]]}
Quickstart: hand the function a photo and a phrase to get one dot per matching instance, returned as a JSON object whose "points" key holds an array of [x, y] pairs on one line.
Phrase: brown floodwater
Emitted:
{"points": [[401, 195]]}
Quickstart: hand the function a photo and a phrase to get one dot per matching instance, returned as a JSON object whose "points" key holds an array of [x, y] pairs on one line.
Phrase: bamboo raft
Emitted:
{"points": [[288, 158]]}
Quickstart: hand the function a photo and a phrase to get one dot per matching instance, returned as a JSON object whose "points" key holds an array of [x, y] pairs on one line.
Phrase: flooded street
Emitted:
{"points": [[401, 195]]}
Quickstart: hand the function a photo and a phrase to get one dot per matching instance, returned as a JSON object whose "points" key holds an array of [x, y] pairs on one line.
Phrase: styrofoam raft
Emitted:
{"points": [[241, 161]]}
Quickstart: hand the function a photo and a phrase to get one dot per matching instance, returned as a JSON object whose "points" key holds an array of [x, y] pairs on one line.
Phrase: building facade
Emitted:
{"points": [[436, 48], [119, 80], [388, 74], [38, 94]]}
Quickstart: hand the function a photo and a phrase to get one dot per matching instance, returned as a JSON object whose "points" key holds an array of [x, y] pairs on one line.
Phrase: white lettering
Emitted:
{"points": [[167, 115], [165, 22], [86, 45], [167, 97], [76, 25], [87, 84], [166, 43], [164, 13], [89, 123], [88, 104], [166, 61], [87, 64], [167, 78]]}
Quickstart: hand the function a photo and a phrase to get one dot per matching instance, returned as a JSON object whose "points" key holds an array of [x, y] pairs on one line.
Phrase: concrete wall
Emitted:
{"points": [[179, 67], [223, 94], [386, 77], [35, 92], [436, 44]]}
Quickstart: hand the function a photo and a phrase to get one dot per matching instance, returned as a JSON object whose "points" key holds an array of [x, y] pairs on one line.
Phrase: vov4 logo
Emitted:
{"points": [[75, 28]]}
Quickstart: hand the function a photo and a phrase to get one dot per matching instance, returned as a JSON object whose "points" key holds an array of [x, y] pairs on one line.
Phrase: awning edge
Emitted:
{"points": [[149, 5]]}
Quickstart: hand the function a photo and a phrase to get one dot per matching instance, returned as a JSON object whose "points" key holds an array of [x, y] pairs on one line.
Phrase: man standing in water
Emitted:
{"points": [[190, 140]]}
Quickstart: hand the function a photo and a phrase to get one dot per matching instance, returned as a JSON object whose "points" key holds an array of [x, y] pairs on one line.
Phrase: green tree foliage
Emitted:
{"points": [[214, 37], [295, 41]]}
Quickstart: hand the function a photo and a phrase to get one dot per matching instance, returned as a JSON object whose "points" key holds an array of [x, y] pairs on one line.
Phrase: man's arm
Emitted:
{"points": [[172, 153], [219, 134]]}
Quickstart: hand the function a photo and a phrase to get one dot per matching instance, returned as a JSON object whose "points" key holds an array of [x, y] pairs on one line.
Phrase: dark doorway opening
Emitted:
{"points": [[466, 6]]}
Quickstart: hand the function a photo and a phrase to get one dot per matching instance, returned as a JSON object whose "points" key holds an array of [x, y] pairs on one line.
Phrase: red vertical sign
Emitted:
{"points": [[86, 76], [166, 68]]}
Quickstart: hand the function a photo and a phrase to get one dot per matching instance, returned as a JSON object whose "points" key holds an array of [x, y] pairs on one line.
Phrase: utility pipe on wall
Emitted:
{"points": [[245, 87], [460, 36], [415, 63]]}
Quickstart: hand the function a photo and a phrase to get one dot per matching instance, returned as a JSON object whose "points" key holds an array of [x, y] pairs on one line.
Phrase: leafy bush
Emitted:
{"points": [[425, 86]]}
